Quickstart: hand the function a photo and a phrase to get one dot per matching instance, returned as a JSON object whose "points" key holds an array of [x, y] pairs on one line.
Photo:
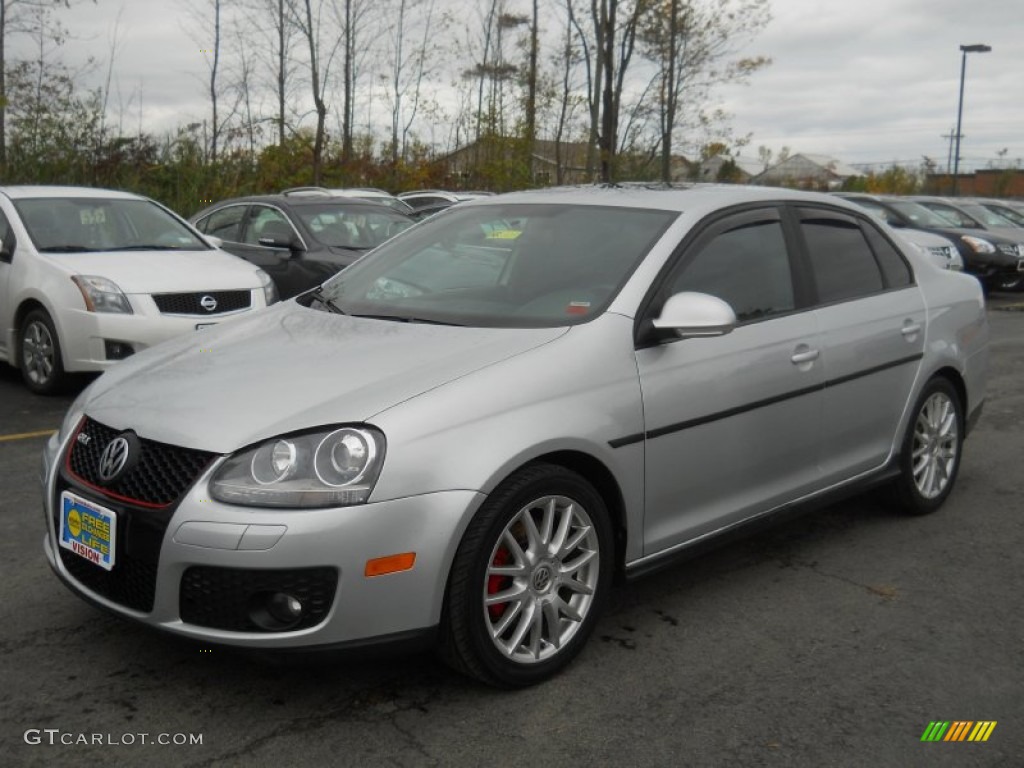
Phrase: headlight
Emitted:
{"points": [[269, 289], [333, 468], [978, 245], [102, 295]]}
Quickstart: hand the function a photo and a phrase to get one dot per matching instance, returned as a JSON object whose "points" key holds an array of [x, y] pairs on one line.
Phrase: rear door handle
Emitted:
{"points": [[805, 356]]}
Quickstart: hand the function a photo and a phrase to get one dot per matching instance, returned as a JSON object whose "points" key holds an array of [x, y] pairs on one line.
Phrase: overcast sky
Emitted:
{"points": [[865, 81]]}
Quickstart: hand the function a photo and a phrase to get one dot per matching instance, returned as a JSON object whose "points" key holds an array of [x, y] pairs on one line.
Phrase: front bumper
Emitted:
{"points": [[253, 546], [85, 335]]}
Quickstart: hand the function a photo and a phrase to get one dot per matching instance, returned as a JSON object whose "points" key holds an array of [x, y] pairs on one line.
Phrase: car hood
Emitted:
{"points": [[290, 368], [162, 271]]}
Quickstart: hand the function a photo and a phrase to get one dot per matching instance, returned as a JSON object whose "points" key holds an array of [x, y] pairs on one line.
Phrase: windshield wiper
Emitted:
{"points": [[68, 249], [409, 319], [147, 247], [325, 302]]}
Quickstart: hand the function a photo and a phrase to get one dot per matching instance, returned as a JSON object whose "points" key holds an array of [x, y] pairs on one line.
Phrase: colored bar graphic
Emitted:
{"points": [[958, 730]]}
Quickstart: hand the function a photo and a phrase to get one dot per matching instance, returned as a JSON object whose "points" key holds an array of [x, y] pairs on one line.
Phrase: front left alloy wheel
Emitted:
{"points": [[530, 578], [39, 353]]}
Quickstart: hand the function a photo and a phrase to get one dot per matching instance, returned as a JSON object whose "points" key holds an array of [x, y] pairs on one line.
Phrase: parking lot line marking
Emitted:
{"points": [[26, 435]]}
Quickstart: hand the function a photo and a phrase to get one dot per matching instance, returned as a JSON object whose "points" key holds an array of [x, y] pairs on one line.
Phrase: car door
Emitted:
{"points": [[732, 422], [871, 319]]}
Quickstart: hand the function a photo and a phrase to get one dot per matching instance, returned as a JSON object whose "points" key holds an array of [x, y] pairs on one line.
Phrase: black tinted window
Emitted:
{"points": [[224, 223], [894, 268], [748, 267], [844, 267]]}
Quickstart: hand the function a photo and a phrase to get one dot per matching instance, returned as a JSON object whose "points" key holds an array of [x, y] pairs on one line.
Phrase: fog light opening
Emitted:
{"points": [[276, 611], [117, 350]]}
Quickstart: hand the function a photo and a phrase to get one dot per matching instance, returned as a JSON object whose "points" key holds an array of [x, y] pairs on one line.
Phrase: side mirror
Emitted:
{"points": [[695, 315], [289, 242], [216, 242]]}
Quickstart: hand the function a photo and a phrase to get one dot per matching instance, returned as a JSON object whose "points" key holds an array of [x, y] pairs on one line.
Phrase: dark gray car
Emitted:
{"points": [[299, 241]]}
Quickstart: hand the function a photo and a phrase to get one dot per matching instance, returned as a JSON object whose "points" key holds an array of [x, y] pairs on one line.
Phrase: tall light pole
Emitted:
{"points": [[965, 49]]}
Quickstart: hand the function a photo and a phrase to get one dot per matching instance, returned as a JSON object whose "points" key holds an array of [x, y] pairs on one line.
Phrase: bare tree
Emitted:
{"points": [[311, 27], [692, 42], [20, 16], [408, 68]]}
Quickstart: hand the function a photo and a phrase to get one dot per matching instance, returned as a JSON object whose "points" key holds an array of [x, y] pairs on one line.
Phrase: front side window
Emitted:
{"points": [[507, 265], [74, 225], [843, 263], [747, 267], [269, 224]]}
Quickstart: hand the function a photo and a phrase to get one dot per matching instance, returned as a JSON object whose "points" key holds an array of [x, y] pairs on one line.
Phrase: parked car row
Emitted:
{"points": [[89, 277], [990, 242]]}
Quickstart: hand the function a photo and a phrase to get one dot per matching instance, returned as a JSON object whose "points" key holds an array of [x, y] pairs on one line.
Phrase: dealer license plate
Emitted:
{"points": [[88, 529]]}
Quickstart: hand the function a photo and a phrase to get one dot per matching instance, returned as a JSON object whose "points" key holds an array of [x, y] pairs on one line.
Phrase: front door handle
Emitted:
{"points": [[910, 328]]}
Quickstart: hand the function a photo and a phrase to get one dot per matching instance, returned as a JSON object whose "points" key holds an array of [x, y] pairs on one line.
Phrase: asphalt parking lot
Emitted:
{"points": [[829, 640]]}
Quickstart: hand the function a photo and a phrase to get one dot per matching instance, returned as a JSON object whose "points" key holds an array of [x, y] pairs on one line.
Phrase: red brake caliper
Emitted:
{"points": [[497, 583]]}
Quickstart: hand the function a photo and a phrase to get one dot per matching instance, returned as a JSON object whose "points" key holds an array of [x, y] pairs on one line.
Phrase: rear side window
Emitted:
{"points": [[843, 263], [894, 268]]}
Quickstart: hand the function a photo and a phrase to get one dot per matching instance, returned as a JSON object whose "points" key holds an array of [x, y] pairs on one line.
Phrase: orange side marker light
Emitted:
{"points": [[389, 564]]}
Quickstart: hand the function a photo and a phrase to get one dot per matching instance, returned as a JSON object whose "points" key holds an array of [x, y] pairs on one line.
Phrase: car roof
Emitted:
{"points": [[694, 197], [298, 201], [26, 191]]}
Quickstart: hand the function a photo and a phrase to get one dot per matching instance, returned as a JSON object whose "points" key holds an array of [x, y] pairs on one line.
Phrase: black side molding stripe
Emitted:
{"points": [[620, 442]]}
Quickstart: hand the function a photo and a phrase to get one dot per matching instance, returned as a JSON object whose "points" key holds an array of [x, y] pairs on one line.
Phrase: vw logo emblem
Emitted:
{"points": [[114, 458], [208, 303], [541, 579]]}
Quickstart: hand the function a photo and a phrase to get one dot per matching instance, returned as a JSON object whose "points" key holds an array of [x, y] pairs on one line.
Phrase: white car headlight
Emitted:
{"points": [[102, 295], [978, 245], [270, 294], [331, 468]]}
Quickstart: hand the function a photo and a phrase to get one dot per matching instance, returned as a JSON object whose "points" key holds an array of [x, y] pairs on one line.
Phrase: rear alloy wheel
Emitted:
{"points": [[39, 353], [930, 456], [530, 578]]}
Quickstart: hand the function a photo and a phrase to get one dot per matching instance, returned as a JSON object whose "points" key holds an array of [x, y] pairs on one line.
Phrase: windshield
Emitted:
{"points": [[1016, 217], [921, 216], [358, 227], [987, 217], [506, 265], [74, 225]]}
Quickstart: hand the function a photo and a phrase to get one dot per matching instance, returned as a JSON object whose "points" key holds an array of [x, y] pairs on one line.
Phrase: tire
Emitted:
{"points": [[543, 542], [39, 356], [931, 449]]}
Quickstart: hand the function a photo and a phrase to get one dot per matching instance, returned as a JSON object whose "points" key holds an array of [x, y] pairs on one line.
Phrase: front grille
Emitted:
{"points": [[132, 582], [140, 534], [161, 475], [224, 598], [1012, 250], [192, 303]]}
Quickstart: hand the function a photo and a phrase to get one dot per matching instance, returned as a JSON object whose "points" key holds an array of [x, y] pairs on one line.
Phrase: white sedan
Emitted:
{"points": [[89, 277]]}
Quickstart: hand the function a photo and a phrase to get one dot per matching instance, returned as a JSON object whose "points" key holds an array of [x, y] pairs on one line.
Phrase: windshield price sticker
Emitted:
{"points": [[88, 530]]}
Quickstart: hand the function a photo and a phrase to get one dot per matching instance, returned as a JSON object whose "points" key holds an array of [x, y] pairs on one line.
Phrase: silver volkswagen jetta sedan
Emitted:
{"points": [[466, 436]]}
